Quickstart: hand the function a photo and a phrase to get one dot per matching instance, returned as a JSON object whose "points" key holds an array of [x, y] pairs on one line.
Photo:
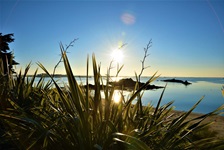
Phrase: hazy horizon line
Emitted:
{"points": [[135, 76]]}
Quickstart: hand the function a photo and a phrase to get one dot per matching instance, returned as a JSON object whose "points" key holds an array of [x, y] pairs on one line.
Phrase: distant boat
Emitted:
{"points": [[177, 81]]}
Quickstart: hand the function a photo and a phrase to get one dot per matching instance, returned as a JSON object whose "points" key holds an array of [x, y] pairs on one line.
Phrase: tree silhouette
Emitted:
{"points": [[6, 56]]}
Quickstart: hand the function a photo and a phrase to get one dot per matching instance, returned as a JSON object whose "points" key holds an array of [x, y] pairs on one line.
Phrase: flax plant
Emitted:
{"points": [[222, 91], [46, 116]]}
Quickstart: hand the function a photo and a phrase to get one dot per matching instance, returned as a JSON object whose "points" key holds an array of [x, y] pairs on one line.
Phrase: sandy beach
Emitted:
{"points": [[217, 125]]}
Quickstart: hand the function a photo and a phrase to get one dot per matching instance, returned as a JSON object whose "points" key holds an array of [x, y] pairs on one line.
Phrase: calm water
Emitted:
{"points": [[184, 97]]}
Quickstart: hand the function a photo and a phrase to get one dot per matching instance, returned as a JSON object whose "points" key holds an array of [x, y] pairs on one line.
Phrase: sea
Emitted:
{"points": [[184, 97]]}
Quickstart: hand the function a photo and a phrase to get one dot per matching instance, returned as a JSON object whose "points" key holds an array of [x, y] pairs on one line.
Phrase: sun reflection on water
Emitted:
{"points": [[117, 96]]}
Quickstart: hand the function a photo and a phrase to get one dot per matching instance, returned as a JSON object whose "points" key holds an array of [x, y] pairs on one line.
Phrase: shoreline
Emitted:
{"points": [[217, 121]]}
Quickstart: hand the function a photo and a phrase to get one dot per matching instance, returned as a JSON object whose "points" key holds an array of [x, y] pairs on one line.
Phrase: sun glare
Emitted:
{"points": [[117, 96], [117, 55]]}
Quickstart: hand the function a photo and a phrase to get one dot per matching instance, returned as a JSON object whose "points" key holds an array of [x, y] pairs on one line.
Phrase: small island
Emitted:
{"points": [[177, 81], [124, 84], [129, 84]]}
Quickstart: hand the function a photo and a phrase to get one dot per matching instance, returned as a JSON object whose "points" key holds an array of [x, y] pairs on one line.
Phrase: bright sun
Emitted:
{"points": [[117, 55]]}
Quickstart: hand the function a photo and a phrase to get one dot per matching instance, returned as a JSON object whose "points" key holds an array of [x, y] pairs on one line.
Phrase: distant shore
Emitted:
{"points": [[134, 77]]}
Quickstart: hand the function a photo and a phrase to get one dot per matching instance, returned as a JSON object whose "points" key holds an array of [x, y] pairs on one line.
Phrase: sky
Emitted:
{"points": [[187, 35]]}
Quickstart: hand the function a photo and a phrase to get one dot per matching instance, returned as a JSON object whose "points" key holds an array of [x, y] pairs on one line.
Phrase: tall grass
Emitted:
{"points": [[46, 116], [222, 91]]}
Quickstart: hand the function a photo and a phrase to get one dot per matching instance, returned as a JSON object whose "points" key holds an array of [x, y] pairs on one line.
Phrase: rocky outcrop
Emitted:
{"points": [[177, 81], [124, 84], [129, 84]]}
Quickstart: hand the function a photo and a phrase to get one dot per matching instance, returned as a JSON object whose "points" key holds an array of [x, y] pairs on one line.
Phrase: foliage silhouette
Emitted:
{"points": [[6, 56], [45, 116]]}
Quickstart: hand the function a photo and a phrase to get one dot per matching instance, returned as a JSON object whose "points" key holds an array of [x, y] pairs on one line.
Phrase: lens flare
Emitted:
{"points": [[128, 18]]}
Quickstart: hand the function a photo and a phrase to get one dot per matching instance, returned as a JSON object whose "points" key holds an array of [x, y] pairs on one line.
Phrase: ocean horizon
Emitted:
{"points": [[127, 76]]}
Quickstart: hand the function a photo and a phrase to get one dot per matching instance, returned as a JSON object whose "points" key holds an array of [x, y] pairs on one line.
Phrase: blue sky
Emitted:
{"points": [[187, 36]]}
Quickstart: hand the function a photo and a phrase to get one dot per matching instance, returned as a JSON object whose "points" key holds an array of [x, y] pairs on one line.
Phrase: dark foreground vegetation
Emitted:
{"points": [[45, 116]]}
